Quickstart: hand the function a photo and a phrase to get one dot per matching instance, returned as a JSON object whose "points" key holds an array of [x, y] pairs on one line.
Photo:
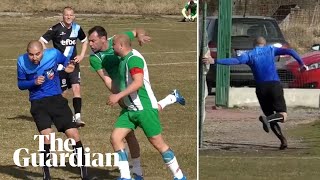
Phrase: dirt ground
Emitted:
{"points": [[239, 130]]}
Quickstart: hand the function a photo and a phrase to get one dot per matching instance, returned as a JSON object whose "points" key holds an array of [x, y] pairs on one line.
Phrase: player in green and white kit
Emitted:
{"points": [[189, 11], [106, 64], [141, 108]]}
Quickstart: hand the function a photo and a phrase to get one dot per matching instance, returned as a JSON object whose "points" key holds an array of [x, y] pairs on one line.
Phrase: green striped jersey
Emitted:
{"points": [[144, 98]]}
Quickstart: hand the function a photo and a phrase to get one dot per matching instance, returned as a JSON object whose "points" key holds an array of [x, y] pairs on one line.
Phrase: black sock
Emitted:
{"points": [[275, 127], [83, 169], [46, 172], [275, 118], [77, 105]]}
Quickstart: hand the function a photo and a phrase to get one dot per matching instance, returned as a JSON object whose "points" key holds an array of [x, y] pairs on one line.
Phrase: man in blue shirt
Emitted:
{"points": [[37, 72], [268, 87]]}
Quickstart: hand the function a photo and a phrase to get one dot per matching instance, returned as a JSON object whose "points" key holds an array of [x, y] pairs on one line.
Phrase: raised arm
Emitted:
{"points": [[141, 35]]}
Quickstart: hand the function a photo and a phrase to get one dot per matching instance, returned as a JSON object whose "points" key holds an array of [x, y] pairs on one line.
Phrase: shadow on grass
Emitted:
{"points": [[241, 146], [21, 117], [94, 172], [25, 174], [19, 172]]}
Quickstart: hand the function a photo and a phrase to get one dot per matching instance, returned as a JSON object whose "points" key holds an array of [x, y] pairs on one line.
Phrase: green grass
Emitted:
{"points": [[292, 164], [310, 135], [179, 123]]}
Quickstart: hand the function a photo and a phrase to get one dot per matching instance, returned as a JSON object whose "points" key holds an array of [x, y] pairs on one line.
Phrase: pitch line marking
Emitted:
{"points": [[265, 157], [160, 64], [166, 52]]}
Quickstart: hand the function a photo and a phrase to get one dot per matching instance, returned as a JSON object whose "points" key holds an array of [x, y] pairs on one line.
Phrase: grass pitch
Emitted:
{"points": [[171, 57]]}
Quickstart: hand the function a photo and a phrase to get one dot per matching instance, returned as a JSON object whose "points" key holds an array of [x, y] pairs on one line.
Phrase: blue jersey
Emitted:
{"points": [[261, 62], [28, 73]]}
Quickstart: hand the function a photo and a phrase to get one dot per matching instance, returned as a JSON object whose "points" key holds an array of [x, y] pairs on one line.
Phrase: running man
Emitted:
{"points": [[64, 37], [141, 108], [106, 64], [268, 87], [37, 72]]}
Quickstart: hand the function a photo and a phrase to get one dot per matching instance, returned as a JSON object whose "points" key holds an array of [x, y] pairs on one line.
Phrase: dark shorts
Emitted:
{"points": [[271, 98], [53, 109], [67, 79]]}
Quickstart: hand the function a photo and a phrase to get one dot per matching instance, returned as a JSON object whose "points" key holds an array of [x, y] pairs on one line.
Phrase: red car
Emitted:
{"points": [[309, 78]]}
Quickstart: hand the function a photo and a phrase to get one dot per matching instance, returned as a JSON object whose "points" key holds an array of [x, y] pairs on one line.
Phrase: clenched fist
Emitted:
{"points": [[39, 80]]}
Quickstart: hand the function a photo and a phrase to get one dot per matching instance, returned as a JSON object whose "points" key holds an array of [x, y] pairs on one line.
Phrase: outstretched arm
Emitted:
{"points": [[291, 52], [243, 59]]}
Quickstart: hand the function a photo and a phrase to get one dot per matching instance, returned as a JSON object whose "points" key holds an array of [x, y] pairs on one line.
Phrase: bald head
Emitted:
{"points": [[259, 41], [123, 39], [35, 51], [34, 44], [121, 44]]}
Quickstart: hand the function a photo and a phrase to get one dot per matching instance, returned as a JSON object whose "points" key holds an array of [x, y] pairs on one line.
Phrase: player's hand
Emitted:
{"points": [[40, 80], [142, 39], [304, 68], [113, 99], [78, 58], [208, 60], [70, 67]]}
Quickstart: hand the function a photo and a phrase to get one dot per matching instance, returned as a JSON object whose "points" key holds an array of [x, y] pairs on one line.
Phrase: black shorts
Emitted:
{"points": [[67, 79], [271, 98], [53, 109]]}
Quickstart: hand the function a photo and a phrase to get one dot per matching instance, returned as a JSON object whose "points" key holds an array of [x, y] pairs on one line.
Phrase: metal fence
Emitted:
{"points": [[297, 20]]}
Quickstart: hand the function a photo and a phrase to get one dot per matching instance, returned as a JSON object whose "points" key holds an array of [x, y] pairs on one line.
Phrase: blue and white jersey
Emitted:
{"points": [[65, 39], [28, 73]]}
